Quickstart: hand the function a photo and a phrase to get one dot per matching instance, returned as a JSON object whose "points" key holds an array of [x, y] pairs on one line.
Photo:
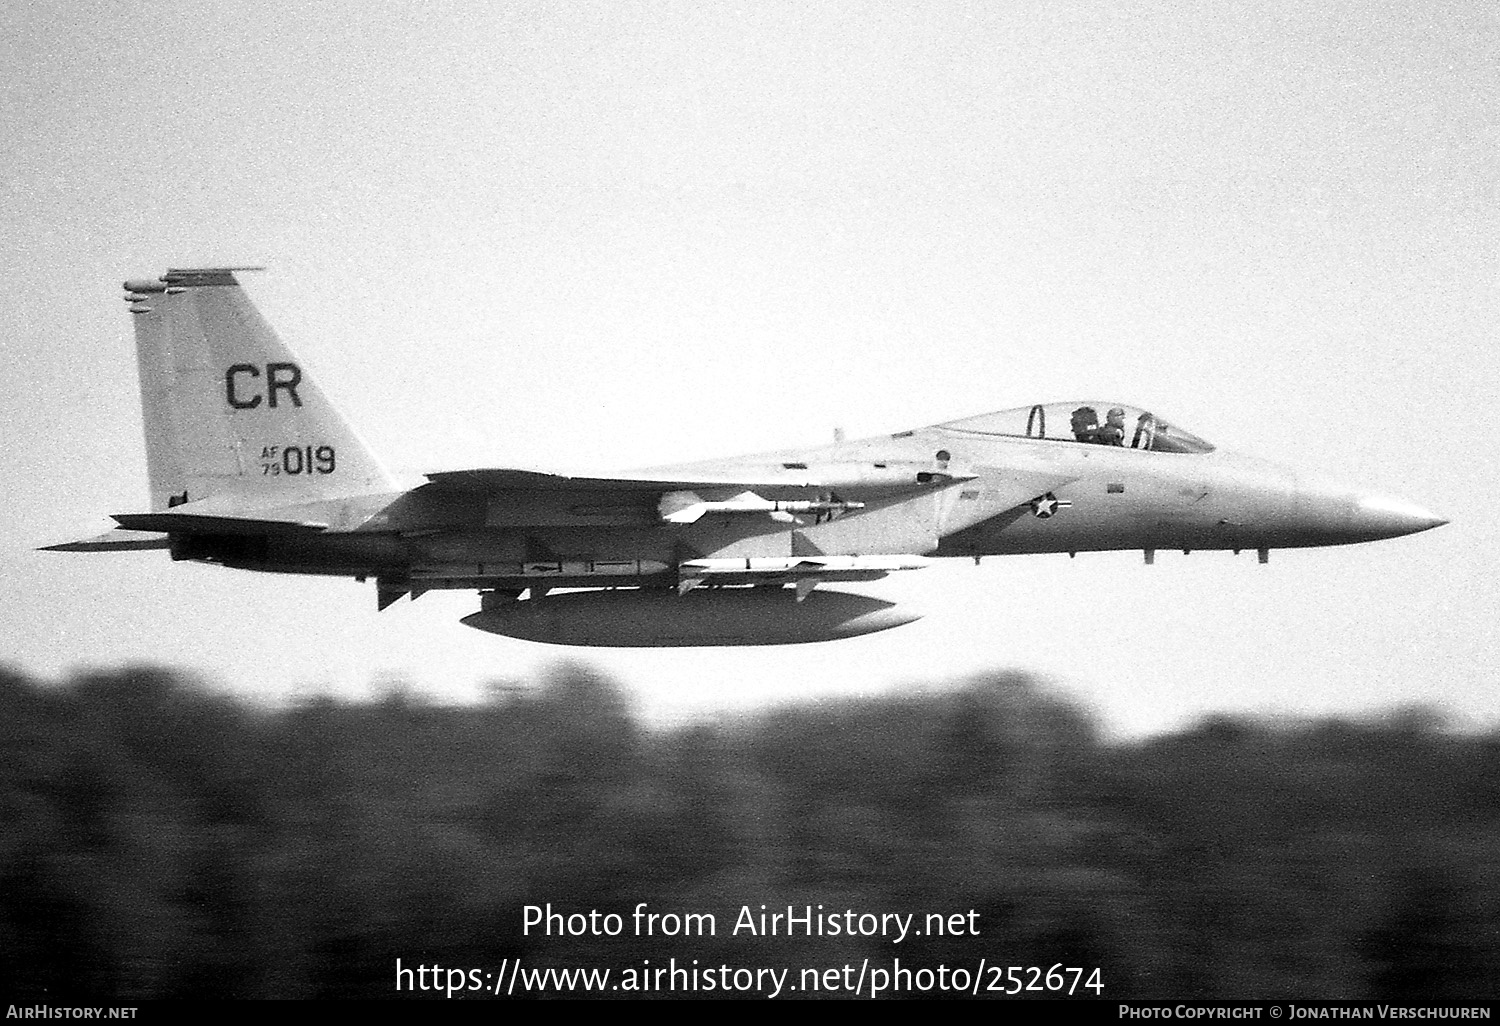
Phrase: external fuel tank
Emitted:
{"points": [[659, 617]]}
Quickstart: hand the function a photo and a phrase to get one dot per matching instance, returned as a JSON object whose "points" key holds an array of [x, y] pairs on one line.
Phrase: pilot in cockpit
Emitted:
{"points": [[1113, 431], [1086, 424]]}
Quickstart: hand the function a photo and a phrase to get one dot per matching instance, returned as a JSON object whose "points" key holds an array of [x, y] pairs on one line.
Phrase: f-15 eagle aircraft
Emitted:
{"points": [[251, 467]]}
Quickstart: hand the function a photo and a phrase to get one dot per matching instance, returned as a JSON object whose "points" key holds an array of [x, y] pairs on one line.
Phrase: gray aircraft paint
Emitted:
{"points": [[252, 467]]}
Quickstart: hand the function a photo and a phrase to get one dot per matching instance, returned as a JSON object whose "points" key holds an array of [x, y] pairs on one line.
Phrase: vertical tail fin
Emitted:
{"points": [[228, 410]]}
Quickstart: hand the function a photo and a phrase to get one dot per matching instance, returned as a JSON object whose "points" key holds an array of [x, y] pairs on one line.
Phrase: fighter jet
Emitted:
{"points": [[249, 466]]}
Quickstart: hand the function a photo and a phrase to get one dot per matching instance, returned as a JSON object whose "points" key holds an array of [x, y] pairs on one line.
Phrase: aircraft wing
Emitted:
{"points": [[891, 477], [689, 493], [499, 480]]}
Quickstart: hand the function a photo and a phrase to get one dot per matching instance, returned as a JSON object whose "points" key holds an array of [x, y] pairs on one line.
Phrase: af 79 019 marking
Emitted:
{"points": [[298, 459]]}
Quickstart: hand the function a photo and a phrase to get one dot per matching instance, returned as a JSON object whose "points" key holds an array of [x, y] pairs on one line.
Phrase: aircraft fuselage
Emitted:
{"points": [[1113, 498], [249, 465]]}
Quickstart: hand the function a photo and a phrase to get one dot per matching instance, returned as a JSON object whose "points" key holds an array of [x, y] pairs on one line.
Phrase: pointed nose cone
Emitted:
{"points": [[1329, 513], [1385, 516]]}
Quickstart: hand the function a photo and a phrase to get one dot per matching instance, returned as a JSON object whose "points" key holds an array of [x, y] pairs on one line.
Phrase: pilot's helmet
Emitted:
{"points": [[1084, 416], [1117, 414]]}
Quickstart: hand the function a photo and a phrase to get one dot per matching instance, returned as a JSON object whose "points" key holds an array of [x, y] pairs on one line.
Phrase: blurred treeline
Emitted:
{"points": [[161, 840]]}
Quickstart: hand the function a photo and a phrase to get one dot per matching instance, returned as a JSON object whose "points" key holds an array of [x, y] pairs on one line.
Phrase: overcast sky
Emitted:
{"points": [[627, 234]]}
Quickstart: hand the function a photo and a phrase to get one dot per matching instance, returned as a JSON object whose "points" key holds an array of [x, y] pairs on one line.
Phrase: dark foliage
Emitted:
{"points": [[161, 841]]}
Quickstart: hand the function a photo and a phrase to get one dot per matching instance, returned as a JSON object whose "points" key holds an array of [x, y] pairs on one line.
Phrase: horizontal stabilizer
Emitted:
{"points": [[117, 540], [204, 523]]}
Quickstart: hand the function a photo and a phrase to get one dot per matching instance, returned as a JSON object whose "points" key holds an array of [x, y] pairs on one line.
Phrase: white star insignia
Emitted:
{"points": [[1048, 505]]}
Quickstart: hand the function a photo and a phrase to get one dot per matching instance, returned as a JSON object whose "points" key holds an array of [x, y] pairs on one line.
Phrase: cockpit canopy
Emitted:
{"points": [[1088, 423]]}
